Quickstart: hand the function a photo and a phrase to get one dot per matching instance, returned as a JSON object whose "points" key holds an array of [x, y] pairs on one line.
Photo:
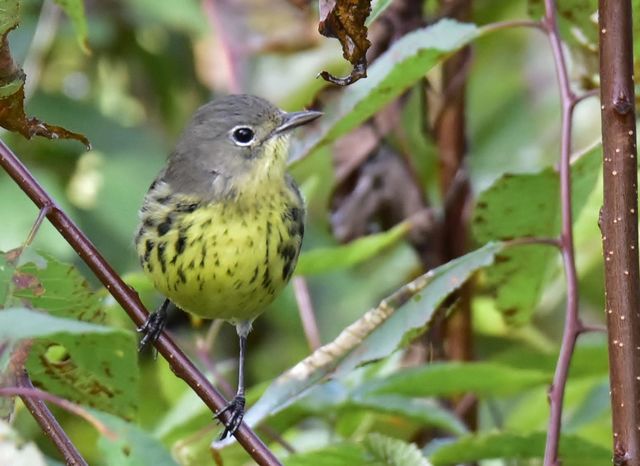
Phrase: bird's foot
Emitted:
{"points": [[235, 410], [152, 328]]}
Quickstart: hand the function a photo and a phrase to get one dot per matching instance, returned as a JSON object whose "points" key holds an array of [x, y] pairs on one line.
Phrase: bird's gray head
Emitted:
{"points": [[230, 139]]}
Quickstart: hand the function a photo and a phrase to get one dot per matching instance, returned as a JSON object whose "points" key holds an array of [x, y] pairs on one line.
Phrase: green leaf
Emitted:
{"points": [[343, 454], [72, 356], [424, 412], [577, 20], [380, 332], [133, 447], [455, 378], [394, 452], [574, 451], [97, 370], [75, 10], [20, 323], [528, 205], [9, 15], [406, 62], [374, 450], [323, 260], [377, 8], [57, 288]]}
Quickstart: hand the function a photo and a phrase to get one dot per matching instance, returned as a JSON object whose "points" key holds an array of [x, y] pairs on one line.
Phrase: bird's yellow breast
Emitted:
{"points": [[226, 259]]}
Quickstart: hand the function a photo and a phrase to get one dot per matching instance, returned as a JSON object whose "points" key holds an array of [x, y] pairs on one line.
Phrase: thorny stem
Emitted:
{"points": [[572, 325], [129, 301], [307, 315]]}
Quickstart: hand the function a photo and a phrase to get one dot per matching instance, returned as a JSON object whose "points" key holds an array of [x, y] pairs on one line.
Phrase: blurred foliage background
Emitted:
{"points": [[151, 63]]}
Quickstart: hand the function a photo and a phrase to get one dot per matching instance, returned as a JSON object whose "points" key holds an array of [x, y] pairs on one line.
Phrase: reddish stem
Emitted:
{"points": [[33, 400], [572, 326]]}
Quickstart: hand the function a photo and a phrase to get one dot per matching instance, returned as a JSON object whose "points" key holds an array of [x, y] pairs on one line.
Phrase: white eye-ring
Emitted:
{"points": [[242, 135]]}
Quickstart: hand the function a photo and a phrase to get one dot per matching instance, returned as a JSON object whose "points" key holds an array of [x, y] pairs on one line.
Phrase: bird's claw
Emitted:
{"points": [[235, 410], [152, 328]]}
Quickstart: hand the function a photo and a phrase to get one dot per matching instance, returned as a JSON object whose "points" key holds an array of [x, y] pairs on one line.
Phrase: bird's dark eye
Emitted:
{"points": [[242, 135]]}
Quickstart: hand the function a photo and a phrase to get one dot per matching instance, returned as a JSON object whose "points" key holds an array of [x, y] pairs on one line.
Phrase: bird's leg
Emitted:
{"points": [[154, 325], [235, 407]]}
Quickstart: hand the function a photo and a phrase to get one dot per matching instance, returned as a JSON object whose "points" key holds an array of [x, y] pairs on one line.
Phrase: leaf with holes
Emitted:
{"points": [[93, 367], [528, 205]]}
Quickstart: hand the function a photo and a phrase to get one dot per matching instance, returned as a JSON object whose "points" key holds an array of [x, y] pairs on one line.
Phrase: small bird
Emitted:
{"points": [[222, 224]]}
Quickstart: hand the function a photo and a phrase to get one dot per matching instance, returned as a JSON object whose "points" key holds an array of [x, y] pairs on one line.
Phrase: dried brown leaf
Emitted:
{"points": [[12, 113], [345, 21]]}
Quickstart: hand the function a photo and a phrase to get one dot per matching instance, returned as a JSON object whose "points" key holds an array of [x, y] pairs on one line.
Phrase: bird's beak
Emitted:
{"points": [[295, 119]]}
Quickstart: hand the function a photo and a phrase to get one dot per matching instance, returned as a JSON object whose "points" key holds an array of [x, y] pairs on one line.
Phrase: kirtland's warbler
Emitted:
{"points": [[222, 224]]}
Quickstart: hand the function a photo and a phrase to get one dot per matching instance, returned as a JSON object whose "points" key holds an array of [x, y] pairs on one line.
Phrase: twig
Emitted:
{"points": [[307, 315], [572, 325], [27, 391], [619, 225], [514, 23], [50, 426], [129, 301]]}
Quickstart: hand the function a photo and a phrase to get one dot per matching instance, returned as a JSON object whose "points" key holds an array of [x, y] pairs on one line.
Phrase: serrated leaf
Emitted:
{"points": [[380, 332], [574, 451], [374, 450], [455, 378], [528, 205], [406, 62], [323, 260], [75, 11], [344, 454], [59, 289], [133, 447], [394, 452]]}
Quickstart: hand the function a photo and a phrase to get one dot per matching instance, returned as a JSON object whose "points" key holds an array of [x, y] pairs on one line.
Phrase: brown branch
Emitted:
{"points": [[451, 139], [129, 301], [619, 225]]}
